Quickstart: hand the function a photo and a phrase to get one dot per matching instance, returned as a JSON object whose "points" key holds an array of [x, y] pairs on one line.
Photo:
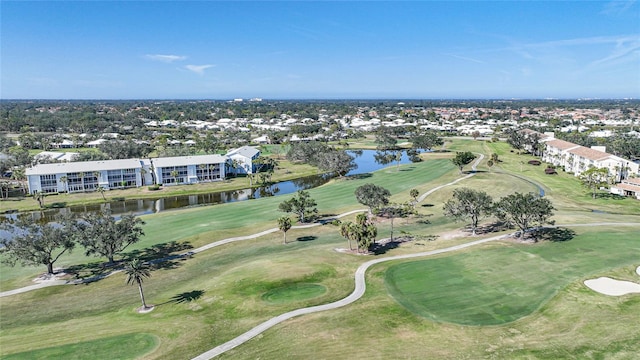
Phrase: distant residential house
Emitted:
{"points": [[189, 169], [64, 144], [261, 140], [84, 176], [96, 143], [244, 159], [627, 187], [55, 156]]}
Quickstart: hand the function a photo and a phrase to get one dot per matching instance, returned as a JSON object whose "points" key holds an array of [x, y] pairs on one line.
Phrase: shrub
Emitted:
{"points": [[154, 187], [550, 171], [534, 162]]}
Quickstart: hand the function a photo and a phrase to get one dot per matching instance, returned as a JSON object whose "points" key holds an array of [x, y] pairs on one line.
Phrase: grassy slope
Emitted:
{"points": [[231, 280]]}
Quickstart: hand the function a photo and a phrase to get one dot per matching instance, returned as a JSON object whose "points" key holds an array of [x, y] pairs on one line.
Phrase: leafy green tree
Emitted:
{"points": [[103, 235], [137, 271], [284, 224], [37, 243], [265, 167], [372, 196], [516, 139], [594, 178], [302, 205], [101, 190], [469, 204], [462, 158], [393, 211], [336, 161], [524, 211], [116, 149], [426, 141]]}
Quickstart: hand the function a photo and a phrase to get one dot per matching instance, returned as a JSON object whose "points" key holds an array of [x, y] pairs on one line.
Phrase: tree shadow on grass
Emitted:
{"points": [[380, 248], [489, 228], [557, 234], [184, 297], [427, 205], [163, 256], [306, 238], [92, 272], [408, 168], [610, 196], [359, 176]]}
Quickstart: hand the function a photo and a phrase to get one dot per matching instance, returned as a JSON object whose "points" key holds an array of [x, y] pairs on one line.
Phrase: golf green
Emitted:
{"points": [[502, 284]]}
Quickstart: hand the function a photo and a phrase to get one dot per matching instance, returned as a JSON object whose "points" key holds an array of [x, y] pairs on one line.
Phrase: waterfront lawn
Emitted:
{"points": [[285, 171], [200, 226]]}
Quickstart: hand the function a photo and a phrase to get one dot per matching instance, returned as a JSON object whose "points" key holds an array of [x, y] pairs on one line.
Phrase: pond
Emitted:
{"points": [[363, 158]]}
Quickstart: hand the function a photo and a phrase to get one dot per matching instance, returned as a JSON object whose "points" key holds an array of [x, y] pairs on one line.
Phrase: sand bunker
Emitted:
{"points": [[612, 287]]}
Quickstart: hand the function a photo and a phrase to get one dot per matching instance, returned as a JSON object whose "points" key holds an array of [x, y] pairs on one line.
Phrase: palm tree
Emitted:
{"points": [[136, 271], [174, 174], [284, 223], [39, 197], [414, 193], [19, 176]]}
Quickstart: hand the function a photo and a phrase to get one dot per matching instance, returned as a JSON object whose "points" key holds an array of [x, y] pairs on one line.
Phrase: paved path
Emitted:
{"points": [[187, 254], [226, 241], [360, 287], [473, 172]]}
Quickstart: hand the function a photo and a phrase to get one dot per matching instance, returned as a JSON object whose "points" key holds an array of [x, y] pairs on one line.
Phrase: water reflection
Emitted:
{"points": [[363, 158]]}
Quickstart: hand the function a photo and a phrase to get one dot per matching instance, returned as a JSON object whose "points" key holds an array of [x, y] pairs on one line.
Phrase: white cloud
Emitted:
{"points": [[617, 7], [165, 58], [198, 69], [466, 58]]}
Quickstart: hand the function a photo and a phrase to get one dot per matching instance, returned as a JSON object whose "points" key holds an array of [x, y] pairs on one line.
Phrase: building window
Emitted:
{"points": [[48, 183]]}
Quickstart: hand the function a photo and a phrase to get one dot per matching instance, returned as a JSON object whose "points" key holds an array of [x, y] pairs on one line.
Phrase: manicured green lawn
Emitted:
{"points": [[567, 321], [218, 294], [504, 283], [126, 346], [200, 226], [293, 292]]}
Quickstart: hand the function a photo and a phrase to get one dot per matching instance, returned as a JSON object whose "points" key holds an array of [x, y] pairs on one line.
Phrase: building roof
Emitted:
{"points": [[246, 151], [532, 132], [83, 166], [632, 181], [561, 144], [188, 160], [588, 153], [628, 187]]}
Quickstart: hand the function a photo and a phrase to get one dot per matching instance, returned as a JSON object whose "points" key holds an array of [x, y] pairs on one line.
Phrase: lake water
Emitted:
{"points": [[366, 164]]}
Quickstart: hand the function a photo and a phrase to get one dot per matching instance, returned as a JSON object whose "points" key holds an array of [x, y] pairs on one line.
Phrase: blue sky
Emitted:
{"points": [[310, 50]]}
